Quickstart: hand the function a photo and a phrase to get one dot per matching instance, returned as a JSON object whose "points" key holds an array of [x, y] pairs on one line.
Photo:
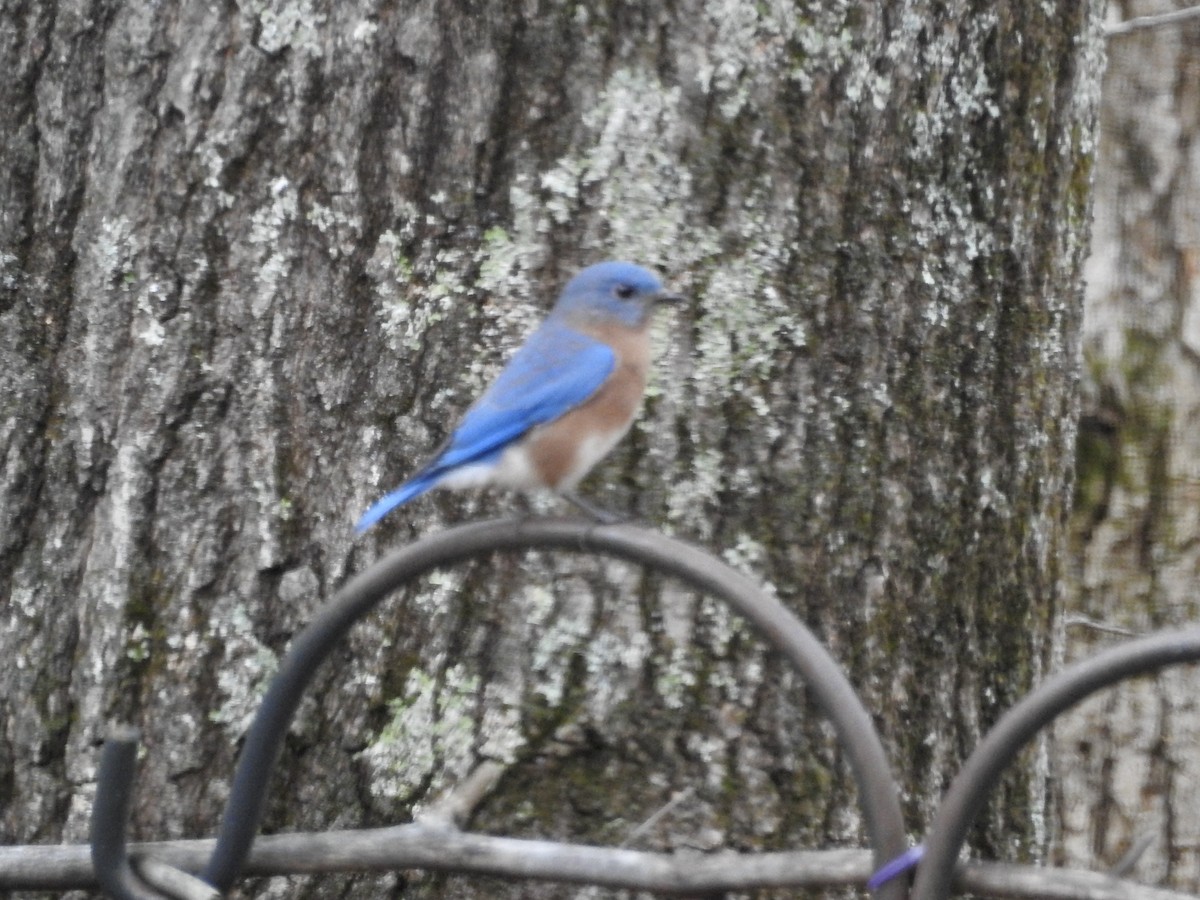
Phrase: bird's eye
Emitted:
{"points": [[623, 291]]}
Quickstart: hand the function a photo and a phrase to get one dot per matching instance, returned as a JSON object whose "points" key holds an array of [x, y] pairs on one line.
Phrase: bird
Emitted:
{"points": [[563, 401]]}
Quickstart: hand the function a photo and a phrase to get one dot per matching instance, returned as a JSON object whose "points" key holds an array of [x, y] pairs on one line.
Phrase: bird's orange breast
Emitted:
{"points": [[563, 451]]}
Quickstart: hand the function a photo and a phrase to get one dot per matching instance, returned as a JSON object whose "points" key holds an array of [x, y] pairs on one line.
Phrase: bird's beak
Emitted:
{"points": [[667, 297]]}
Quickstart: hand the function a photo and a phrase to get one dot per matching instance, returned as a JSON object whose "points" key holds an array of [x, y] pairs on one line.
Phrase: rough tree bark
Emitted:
{"points": [[1128, 760], [257, 256]]}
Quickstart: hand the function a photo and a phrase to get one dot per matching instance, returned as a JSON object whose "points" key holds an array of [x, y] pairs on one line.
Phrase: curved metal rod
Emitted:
{"points": [[979, 773], [877, 792], [110, 817]]}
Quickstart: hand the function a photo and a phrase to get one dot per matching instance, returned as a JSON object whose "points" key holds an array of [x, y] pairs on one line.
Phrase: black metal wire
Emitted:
{"points": [[110, 817], [878, 795], [969, 790]]}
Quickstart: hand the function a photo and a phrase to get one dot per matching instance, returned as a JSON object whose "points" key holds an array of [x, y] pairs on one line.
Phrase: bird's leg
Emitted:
{"points": [[599, 513]]}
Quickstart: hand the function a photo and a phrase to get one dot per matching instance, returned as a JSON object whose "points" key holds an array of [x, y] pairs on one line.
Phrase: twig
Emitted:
{"points": [[455, 807], [676, 798], [171, 882], [1131, 856], [1155, 21], [1082, 621]]}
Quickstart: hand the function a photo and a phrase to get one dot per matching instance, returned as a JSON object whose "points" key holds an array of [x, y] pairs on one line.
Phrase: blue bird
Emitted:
{"points": [[564, 400]]}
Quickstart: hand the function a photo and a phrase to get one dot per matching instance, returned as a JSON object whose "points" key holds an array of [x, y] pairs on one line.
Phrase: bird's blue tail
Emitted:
{"points": [[414, 487]]}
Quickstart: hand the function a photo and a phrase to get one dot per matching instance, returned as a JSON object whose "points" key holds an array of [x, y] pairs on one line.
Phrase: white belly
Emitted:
{"points": [[515, 469], [511, 470], [591, 451]]}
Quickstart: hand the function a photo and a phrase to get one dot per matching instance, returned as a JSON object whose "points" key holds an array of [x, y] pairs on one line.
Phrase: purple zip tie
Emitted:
{"points": [[898, 866]]}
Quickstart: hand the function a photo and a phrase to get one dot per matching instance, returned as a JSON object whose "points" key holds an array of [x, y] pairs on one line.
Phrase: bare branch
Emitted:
{"points": [[455, 807], [1131, 856], [442, 849], [676, 798], [1157, 21], [171, 882], [1010, 882], [1081, 621], [446, 850]]}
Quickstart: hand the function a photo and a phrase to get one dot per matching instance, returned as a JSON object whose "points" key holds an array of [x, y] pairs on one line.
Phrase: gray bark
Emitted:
{"points": [[1128, 761], [257, 258]]}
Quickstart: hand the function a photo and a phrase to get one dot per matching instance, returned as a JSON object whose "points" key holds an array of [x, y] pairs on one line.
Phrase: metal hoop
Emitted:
{"points": [[969, 790], [878, 795]]}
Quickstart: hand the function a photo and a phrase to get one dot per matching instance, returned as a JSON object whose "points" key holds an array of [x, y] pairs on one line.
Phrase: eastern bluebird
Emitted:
{"points": [[564, 400]]}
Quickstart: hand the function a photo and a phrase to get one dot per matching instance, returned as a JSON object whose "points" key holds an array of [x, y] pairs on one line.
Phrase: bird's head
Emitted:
{"points": [[614, 291]]}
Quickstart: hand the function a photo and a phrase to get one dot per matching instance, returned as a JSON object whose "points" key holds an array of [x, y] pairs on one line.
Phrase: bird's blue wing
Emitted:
{"points": [[555, 370]]}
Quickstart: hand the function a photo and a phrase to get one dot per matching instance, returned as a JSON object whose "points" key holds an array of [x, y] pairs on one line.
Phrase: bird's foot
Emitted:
{"points": [[599, 513]]}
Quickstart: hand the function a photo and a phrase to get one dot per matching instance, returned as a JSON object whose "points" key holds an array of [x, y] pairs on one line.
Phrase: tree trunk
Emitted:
{"points": [[258, 257], [1128, 761]]}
